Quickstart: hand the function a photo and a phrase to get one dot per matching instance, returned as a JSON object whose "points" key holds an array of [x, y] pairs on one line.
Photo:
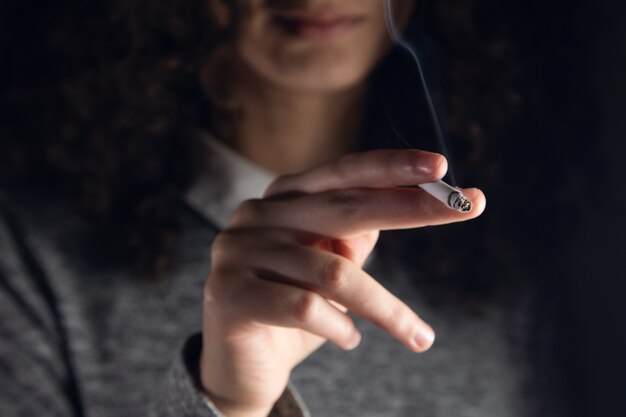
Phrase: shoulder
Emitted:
{"points": [[26, 222], [52, 229], [39, 226], [34, 215]]}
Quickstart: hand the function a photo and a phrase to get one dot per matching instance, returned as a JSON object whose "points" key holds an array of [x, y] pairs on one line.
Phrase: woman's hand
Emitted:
{"points": [[288, 268]]}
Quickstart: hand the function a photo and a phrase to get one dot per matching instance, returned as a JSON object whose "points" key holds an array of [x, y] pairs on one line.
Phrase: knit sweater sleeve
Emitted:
{"points": [[181, 395]]}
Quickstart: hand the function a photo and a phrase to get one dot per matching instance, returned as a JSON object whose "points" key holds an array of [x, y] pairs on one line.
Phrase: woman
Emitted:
{"points": [[218, 139]]}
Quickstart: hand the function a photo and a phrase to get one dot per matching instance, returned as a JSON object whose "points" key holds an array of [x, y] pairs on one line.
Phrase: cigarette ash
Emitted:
{"points": [[460, 203]]}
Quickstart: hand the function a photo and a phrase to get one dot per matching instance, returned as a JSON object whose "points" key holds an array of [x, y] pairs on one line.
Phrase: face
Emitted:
{"points": [[310, 45]]}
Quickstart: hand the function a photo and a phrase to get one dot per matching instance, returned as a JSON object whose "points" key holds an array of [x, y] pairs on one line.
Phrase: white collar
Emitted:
{"points": [[227, 180]]}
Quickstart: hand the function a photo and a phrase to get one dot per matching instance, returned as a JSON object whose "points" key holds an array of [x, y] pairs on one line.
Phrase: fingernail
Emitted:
{"points": [[424, 337], [355, 342], [430, 164]]}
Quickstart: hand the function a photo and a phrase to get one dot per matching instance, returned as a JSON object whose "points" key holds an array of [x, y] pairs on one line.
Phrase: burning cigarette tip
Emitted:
{"points": [[459, 202]]}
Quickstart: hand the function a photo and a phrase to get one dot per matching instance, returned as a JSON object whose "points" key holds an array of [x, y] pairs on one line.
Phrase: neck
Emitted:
{"points": [[288, 132]]}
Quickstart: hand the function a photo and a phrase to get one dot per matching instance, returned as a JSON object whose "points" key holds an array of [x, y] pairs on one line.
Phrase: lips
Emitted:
{"points": [[317, 27]]}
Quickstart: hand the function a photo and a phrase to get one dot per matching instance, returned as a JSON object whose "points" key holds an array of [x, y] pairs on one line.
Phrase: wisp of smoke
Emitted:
{"points": [[397, 38]]}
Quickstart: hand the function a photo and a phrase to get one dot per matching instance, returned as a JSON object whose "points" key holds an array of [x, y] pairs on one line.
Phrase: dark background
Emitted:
{"points": [[581, 47], [600, 261], [585, 55]]}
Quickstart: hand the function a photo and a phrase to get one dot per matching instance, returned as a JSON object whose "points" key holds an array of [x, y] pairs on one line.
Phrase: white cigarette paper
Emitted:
{"points": [[448, 195]]}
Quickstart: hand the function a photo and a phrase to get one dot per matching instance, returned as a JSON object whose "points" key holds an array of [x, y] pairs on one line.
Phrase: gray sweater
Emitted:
{"points": [[80, 337], [85, 339]]}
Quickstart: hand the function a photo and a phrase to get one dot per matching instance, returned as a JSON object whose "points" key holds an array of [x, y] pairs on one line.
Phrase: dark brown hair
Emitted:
{"points": [[97, 98]]}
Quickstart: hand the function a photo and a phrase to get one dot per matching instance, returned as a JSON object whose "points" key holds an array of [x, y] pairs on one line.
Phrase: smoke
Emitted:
{"points": [[436, 120]]}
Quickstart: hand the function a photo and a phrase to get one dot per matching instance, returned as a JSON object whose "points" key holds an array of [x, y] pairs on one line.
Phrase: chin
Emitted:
{"points": [[330, 73], [326, 80]]}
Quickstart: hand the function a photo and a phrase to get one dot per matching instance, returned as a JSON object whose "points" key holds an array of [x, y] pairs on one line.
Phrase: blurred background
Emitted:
{"points": [[584, 55], [600, 29], [580, 49]]}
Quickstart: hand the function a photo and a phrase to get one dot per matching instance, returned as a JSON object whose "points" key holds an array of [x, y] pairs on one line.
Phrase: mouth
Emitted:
{"points": [[317, 27]]}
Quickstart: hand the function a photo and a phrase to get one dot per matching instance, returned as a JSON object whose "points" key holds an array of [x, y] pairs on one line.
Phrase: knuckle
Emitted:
{"points": [[248, 212], [393, 159], [306, 306], [219, 251], [223, 246], [335, 274], [399, 320], [224, 239], [278, 185], [349, 203], [215, 288], [401, 164], [342, 167], [224, 289], [344, 197]]}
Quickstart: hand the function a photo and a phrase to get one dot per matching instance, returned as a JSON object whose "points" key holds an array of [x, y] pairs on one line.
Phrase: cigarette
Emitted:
{"points": [[448, 195]]}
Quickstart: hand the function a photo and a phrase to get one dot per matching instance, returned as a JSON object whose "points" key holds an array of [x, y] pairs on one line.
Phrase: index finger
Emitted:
{"points": [[373, 169], [345, 214]]}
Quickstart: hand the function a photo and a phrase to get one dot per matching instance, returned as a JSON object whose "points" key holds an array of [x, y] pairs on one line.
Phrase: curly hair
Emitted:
{"points": [[97, 98]]}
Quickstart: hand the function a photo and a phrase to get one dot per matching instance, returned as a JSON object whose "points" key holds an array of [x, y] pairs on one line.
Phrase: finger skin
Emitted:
{"points": [[374, 169], [272, 303], [337, 279], [277, 304], [349, 213]]}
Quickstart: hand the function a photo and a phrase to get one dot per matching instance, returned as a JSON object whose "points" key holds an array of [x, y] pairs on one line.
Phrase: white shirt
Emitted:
{"points": [[239, 179]]}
